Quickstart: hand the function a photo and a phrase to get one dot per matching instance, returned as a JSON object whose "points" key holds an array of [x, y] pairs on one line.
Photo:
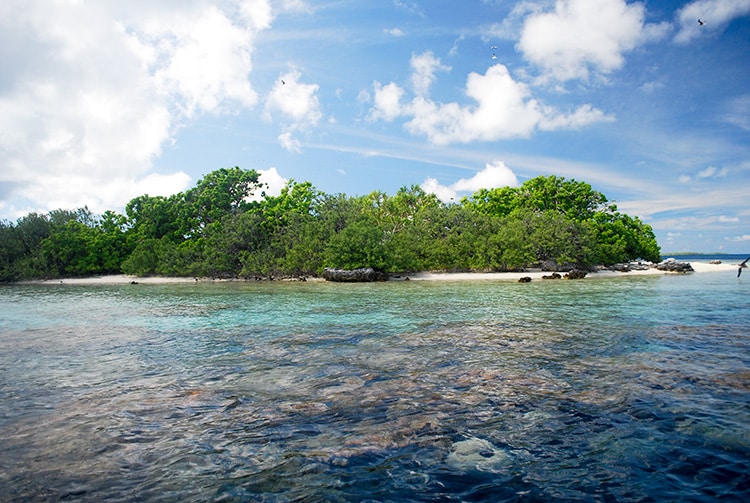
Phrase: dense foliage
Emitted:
{"points": [[227, 227]]}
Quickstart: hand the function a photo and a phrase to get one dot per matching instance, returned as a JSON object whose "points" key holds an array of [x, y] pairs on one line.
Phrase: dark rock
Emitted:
{"points": [[554, 275], [631, 266], [364, 274], [576, 274], [620, 267], [525, 279], [672, 265]]}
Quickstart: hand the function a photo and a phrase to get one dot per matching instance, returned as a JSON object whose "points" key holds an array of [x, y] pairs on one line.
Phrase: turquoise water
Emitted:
{"points": [[624, 389]]}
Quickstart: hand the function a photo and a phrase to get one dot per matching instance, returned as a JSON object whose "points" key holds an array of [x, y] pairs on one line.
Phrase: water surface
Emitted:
{"points": [[623, 389]]}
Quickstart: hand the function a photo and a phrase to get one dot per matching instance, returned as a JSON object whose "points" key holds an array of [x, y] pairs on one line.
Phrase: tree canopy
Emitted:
{"points": [[226, 226]]}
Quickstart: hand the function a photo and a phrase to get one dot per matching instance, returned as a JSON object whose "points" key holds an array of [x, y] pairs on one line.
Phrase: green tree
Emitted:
{"points": [[156, 217], [500, 202], [110, 243], [576, 200], [11, 252], [226, 191], [622, 238], [360, 244]]}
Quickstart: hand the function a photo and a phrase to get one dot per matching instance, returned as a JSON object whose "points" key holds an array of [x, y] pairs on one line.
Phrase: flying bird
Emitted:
{"points": [[700, 22], [282, 82], [743, 265], [494, 56]]}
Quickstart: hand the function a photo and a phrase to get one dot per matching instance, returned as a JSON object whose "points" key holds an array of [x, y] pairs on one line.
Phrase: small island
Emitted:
{"points": [[226, 227]]}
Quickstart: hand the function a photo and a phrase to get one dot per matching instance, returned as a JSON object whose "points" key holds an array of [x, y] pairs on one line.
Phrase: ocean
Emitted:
{"points": [[606, 389]]}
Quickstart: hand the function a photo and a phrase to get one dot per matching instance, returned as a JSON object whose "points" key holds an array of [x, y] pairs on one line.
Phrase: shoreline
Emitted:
{"points": [[122, 279], [698, 268]]}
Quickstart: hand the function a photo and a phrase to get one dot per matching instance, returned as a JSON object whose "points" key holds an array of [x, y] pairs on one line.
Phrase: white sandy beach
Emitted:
{"points": [[699, 267], [117, 279]]}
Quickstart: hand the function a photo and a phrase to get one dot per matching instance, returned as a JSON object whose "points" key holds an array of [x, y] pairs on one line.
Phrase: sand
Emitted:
{"points": [[118, 279], [699, 267]]}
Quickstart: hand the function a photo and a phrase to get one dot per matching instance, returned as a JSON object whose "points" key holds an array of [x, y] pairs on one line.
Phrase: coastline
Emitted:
{"points": [[121, 279], [698, 267]]}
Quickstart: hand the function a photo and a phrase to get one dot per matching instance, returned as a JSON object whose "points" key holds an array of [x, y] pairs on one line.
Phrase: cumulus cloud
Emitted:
{"points": [[295, 100], [387, 101], [297, 103], [273, 183], [203, 58], [93, 91], [581, 37], [716, 14], [443, 192], [492, 176], [504, 108]]}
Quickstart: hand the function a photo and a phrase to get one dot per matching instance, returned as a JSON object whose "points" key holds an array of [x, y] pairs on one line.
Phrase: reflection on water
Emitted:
{"points": [[625, 389]]}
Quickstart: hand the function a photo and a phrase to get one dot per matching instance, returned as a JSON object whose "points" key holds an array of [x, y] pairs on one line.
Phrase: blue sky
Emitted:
{"points": [[102, 101]]}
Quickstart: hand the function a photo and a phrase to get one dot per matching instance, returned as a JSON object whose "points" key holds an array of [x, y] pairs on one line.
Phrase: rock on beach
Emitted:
{"points": [[364, 274], [673, 265]]}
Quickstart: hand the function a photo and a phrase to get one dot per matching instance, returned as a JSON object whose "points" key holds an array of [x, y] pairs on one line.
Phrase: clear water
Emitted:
{"points": [[625, 389]]}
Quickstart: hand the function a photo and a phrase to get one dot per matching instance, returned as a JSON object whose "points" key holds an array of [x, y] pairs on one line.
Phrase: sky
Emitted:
{"points": [[103, 100]]}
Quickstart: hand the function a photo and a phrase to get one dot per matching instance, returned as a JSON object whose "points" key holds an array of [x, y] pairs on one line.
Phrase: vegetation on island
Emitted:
{"points": [[226, 226]]}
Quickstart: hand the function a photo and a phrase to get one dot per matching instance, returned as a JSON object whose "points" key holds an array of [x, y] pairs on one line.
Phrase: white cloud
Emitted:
{"points": [[297, 102], [443, 192], [716, 14], [387, 101], [94, 90], [206, 60], [424, 67], [711, 172], [273, 180], [582, 116], [504, 109], [289, 142], [492, 176], [394, 32], [744, 237], [582, 36]]}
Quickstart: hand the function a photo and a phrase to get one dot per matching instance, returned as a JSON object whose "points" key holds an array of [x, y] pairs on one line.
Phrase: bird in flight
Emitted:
{"points": [[494, 56], [743, 265], [282, 81], [701, 22]]}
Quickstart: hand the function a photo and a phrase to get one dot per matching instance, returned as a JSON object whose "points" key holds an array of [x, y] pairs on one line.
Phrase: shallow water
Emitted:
{"points": [[623, 389]]}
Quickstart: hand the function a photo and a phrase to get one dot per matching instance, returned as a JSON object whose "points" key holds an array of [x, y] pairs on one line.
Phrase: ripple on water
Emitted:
{"points": [[389, 392]]}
